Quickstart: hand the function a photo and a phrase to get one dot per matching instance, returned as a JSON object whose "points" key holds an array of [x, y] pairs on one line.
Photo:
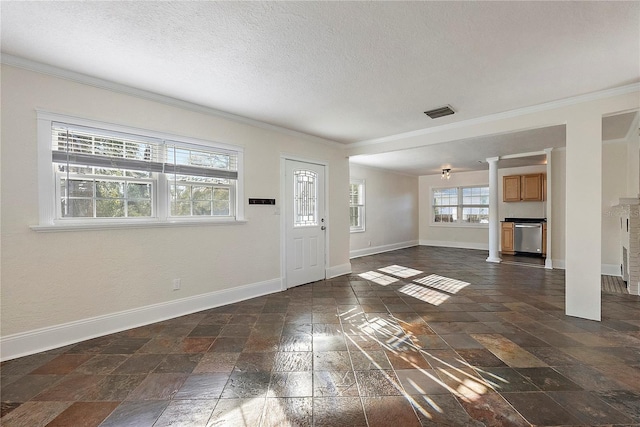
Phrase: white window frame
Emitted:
{"points": [[49, 220], [459, 206], [362, 206]]}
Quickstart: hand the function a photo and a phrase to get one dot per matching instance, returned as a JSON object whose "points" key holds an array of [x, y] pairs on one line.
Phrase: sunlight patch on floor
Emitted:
{"points": [[442, 283], [400, 271], [378, 278], [427, 295]]}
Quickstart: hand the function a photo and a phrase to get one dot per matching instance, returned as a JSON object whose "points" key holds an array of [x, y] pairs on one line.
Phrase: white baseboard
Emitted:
{"points": [[338, 270], [35, 341], [611, 270], [450, 244], [356, 253]]}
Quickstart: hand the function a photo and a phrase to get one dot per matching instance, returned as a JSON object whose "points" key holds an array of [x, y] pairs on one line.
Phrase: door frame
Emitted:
{"points": [[283, 224]]}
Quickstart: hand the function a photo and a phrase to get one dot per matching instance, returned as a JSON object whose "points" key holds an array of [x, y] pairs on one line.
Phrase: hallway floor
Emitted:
{"points": [[417, 337]]}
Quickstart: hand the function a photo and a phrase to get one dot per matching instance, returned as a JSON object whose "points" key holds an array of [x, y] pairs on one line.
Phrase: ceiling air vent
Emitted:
{"points": [[439, 112]]}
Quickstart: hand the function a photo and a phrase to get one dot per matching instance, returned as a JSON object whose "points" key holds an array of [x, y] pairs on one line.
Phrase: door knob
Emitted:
{"points": [[323, 228]]}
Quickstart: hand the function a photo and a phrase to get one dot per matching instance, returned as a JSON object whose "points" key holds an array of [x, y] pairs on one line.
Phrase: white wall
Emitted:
{"points": [[614, 187], [391, 211], [54, 278]]}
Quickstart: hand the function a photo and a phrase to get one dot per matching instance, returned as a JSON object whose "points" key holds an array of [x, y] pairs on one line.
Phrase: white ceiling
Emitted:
{"points": [[344, 71]]}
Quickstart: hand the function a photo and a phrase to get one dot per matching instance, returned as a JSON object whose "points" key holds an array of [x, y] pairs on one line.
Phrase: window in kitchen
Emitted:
{"points": [[461, 205], [107, 173], [356, 205]]}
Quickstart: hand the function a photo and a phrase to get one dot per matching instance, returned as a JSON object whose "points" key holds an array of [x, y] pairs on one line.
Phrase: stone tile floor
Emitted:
{"points": [[415, 337]]}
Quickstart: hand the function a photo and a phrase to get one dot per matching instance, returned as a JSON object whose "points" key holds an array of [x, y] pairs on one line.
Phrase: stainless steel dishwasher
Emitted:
{"points": [[527, 237]]}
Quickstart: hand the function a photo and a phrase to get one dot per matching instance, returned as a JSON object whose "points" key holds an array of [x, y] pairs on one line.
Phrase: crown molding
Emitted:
{"points": [[27, 64], [622, 90]]}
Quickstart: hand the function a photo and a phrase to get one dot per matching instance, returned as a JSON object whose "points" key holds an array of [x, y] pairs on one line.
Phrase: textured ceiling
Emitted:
{"points": [[345, 71]]}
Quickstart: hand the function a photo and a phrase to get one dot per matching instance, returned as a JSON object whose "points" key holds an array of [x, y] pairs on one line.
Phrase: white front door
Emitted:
{"points": [[305, 223]]}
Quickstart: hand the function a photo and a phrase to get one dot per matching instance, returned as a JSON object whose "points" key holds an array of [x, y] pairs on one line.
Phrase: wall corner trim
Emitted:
{"points": [[35, 341]]}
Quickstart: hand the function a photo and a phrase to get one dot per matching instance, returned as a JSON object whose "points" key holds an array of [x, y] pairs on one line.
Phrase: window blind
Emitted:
{"points": [[82, 146]]}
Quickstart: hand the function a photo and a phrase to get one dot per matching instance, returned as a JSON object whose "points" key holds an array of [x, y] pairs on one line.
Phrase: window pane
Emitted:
{"points": [[109, 208], [181, 209], [202, 208], [221, 208], [139, 208], [77, 208], [201, 193], [475, 215], [138, 191], [355, 216], [77, 188], [109, 189]]}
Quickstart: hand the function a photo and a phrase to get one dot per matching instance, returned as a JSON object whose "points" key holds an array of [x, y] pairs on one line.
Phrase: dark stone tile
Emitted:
{"points": [[158, 387], [492, 410], [378, 383], [139, 364], [293, 411], [194, 413], [331, 361], [464, 382], [246, 384], [421, 382], [135, 414], [125, 346], [32, 413], [442, 410], [548, 379], [291, 384], [334, 383], [297, 342], [62, 365], [101, 364], [114, 388], [216, 362], [338, 412], [293, 361], [237, 413], [552, 356], [202, 386], [206, 331], [228, 345], [627, 402], [178, 363], [85, 414], [503, 379], [589, 378], [7, 407], [409, 359], [28, 387], [195, 344], [255, 362], [260, 343], [588, 408], [70, 389], [389, 410], [480, 357]]}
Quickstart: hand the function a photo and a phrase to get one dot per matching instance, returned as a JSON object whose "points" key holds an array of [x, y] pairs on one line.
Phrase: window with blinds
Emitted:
{"points": [[101, 173], [356, 205]]}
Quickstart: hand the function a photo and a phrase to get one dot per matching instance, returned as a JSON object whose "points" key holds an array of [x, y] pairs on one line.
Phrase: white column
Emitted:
{"points": [[494, 220], [583, 214], [548, 262]]}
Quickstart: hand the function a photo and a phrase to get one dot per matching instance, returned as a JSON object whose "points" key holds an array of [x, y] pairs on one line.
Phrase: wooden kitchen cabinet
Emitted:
{"points": [[527, 188], [511, 188], [506, 238]]}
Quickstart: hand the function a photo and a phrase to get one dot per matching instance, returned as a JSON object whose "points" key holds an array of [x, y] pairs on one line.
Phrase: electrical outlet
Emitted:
{"points": [[176, 284]]}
